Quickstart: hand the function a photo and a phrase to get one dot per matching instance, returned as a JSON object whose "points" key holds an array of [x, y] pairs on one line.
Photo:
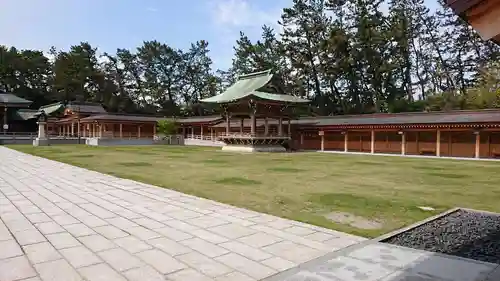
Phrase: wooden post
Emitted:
{"points": [[253, 124], [403, 143], [322, 134], [346, 141], [372, 143], [301, 139], [266, 126], [201, 131], [438, 143], [280, 126], [85, 130], [72, 129], [478, 144], [5, 118], [139, 131], [289, 127], [242, 125], [100, 130], [228, 125], [154, 129], [183, 132], [121, 130]]}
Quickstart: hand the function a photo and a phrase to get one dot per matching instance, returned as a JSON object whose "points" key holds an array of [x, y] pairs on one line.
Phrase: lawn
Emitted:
{"points": [[301, 186]]}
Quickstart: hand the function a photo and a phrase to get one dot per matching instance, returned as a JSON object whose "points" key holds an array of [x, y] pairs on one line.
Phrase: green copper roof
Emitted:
{"points": [[251, 85], [278, 97], [51, 108], [10, 99], [26, 114]]}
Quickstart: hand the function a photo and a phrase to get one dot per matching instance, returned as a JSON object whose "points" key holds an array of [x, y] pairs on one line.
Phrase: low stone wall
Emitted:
{"points": [[66, 141], [16, 141], [112, 142], [197, 142], [253, 148], [170, 140], [123, 141], [29, 140]]}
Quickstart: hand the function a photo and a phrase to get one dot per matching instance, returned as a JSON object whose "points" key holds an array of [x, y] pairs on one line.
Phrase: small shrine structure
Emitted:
{"points": [[256, 96]]}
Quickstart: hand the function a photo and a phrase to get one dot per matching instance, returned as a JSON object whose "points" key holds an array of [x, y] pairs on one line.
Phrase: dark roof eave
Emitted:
{"points": [[15, 105], [122, 118], [199, 120], [400, 125], [459, 7]]}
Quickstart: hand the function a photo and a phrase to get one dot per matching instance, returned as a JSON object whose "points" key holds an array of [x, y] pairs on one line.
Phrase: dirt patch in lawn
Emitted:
{"points": [[353, 220]]}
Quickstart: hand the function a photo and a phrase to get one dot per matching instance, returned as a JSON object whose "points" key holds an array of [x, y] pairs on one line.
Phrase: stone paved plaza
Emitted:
{"points": [[63, 223]]}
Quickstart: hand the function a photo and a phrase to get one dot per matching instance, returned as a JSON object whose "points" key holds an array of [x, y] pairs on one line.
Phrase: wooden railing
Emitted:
{"points": [[202, 137], [111, 135], [258, 134]]}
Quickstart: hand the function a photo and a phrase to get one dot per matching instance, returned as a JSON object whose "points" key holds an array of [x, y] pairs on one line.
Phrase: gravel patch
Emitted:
{"points": [[469, 234]]}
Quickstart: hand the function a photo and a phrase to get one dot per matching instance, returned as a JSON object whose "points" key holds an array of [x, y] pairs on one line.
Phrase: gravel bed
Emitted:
{"points": [[468, 234]]}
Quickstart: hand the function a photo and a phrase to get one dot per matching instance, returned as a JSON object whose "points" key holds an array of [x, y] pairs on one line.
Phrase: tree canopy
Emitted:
{"points": [[347, 56]]}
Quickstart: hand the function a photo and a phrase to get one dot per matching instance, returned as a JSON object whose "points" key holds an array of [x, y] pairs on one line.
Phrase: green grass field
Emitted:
{"points": [[301, 186]]}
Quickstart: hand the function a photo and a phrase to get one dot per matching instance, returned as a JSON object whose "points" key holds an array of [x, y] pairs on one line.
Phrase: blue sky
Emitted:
{"points": [[111, 24]]}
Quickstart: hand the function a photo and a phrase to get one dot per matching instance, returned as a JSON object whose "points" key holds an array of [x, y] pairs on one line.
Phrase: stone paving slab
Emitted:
{"points": [[375, 261], [60, 222]]}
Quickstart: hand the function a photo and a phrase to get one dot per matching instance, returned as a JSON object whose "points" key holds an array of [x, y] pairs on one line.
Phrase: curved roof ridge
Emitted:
{"points": [[255, 74]]}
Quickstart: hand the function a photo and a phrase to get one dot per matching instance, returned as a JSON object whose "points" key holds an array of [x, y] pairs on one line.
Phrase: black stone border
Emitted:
{"points": [[291, 271], [419, 223]]}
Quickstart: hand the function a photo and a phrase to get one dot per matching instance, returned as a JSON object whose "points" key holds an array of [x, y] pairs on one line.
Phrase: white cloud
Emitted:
{"points": [[240, 13], [229, 17]]}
